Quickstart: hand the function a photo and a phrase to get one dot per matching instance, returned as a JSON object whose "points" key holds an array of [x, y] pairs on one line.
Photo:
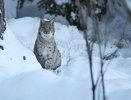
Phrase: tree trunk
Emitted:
{"points": [[2, 18]]}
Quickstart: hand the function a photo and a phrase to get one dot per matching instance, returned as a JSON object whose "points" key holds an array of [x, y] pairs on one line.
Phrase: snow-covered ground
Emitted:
{"points": [[24, 79]]}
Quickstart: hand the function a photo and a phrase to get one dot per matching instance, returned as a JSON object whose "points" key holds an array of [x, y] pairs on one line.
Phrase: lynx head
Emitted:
{"points": [[46, 27]]}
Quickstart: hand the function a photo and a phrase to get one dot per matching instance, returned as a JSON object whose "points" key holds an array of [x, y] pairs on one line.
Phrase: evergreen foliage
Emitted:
{"points": [[68, 10]]}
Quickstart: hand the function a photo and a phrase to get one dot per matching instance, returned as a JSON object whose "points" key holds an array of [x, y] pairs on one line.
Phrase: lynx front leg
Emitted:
{"points": [[49, 63]]}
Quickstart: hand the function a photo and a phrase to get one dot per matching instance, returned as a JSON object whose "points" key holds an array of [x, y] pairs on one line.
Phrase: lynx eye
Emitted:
{"points": [[46, 32]]}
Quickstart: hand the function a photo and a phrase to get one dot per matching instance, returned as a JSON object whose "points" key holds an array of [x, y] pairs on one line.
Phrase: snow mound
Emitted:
{"points": [[22, 77], [42, 85], [15, 58]]}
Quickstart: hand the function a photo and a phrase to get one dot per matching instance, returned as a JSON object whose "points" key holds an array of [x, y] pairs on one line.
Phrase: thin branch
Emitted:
{"points": [[89, 46]]}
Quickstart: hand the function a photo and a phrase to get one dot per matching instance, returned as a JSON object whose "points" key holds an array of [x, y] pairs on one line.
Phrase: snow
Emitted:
{"points": [[24, 33], [42, 85], [26, 80], [60, 2], [12, 56], [128, 3], [73, 15], [125, 95], [29, 8], [10, 8]]}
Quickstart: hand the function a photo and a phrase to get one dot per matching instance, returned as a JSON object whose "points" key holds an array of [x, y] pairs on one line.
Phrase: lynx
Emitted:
{"points": [[45, 48]]}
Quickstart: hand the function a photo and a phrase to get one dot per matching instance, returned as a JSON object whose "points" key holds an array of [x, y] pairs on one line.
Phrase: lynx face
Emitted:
{"points": [[46, 28]]}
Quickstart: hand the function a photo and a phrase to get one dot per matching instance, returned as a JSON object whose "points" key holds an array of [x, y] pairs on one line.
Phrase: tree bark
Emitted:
{"points": [[2, 18]]}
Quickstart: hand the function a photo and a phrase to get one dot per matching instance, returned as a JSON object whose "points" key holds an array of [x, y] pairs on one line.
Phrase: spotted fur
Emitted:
{"points": [[45, 48]]}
